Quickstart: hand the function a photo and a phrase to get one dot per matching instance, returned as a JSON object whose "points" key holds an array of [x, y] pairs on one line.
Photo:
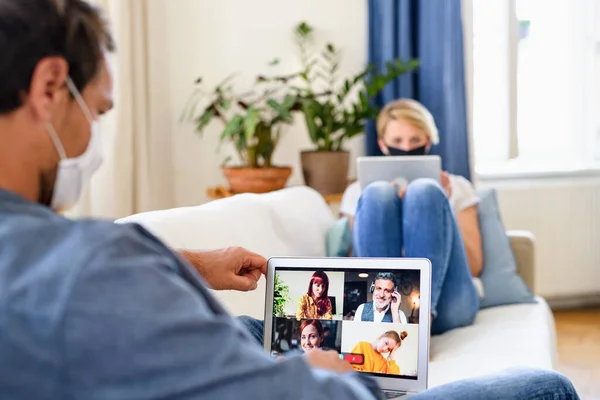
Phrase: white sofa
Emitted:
{"points": [[294, 222]]}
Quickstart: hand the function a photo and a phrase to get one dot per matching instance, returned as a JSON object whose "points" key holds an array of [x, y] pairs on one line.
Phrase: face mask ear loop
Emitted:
{"points": [[73, 89], [57, 144]]}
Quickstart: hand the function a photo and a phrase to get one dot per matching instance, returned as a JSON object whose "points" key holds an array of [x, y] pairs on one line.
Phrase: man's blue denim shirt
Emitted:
{"points": [[96, 310]]}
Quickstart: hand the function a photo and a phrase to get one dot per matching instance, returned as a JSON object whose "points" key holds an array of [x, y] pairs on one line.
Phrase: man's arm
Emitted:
{"points": [[140, 324], [469, 229]]}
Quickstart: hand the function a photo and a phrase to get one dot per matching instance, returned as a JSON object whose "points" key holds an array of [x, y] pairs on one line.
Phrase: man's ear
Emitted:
{"points": [[428, 146], [47, 88]]}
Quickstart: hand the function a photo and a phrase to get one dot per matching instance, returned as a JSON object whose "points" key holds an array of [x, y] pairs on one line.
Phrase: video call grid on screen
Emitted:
{"points": [[345, 319]]}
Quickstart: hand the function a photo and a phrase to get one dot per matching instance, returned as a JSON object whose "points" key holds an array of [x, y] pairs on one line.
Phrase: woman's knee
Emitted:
{"points": [[379, 192], [426, 188]]}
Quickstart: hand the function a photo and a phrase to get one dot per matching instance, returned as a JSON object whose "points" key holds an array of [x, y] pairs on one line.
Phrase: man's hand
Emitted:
{"points": [[395, 307], [446, 183], [234, 268], [329, 359]]}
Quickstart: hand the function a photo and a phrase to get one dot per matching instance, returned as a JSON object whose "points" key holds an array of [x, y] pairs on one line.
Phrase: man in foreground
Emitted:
{"points": [[95, 310]]}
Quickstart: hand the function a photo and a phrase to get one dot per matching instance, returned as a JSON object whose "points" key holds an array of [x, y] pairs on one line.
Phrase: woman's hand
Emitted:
{"points": [[402, 192], [446, 183]]}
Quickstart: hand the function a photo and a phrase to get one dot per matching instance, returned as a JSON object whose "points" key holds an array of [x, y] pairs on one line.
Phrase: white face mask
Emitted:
{"points": [[74, 173]]}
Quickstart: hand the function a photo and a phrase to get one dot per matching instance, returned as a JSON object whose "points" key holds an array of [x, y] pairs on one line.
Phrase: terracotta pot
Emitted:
{"points": [[325, 171], [256, 180]]}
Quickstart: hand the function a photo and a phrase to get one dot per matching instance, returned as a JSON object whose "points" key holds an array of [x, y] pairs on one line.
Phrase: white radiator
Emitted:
{"points": [[564, 215]]}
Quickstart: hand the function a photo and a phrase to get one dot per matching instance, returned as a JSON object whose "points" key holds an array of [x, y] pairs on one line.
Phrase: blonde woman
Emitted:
{"points": [[423, 219], [372, 352]]}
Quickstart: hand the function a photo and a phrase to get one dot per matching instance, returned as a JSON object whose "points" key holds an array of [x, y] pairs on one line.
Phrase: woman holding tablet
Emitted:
{"points": [[424, 219]]}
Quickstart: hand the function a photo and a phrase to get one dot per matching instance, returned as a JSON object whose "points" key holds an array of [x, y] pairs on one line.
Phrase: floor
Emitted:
{"points": [[579, 349]]}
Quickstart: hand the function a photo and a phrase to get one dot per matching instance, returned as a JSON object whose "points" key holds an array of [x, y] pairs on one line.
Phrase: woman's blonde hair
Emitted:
{"points": [[410, 111], [397, 337]]}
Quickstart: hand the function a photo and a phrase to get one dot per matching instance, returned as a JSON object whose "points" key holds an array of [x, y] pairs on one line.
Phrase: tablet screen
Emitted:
{"points": [[371, 318]]}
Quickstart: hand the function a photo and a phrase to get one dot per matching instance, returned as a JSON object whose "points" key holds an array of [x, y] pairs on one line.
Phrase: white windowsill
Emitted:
{"points": [[514, 170]]}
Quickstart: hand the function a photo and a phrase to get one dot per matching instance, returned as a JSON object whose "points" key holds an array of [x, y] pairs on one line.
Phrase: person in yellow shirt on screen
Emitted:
{"points": [[373, 359]]}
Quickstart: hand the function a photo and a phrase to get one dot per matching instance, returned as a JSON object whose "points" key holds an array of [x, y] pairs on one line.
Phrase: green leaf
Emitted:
{"points": [[360, 77], [225, 161], [232, 127], [250, 122], [225, 104], [274, 62], [303, 29], [205, 119], [289, 101], [281, 110], [308, 108], [363, 99]]}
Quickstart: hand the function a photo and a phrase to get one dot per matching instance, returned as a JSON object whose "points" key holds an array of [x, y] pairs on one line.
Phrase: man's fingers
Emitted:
{"points": [[253, 261], [251, 273], [243, 283]]}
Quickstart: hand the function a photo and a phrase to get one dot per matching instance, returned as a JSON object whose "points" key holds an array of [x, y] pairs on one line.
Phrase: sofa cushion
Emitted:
{"points": [[500, 338], [289, 222], [339, 238], [501, 282]]}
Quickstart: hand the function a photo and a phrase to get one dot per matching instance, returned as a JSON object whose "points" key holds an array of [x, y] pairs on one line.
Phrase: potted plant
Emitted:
{"points": [[253, 123], [281, 295], [339, 115]]}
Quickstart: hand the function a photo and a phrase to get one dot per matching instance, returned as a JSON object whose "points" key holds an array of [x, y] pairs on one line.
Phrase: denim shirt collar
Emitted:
{"points": [[13, 203]]}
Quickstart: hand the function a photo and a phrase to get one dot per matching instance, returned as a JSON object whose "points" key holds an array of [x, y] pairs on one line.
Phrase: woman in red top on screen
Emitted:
{"points": [[311, 335], [315, 304]]}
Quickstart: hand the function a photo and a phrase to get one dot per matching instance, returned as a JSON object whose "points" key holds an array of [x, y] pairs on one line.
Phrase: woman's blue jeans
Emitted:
{"points": [[421, 225]]}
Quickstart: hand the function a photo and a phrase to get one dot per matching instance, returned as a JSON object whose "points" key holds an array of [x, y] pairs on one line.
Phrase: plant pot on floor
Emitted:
{"points": [[256, 180], [325, 171]]}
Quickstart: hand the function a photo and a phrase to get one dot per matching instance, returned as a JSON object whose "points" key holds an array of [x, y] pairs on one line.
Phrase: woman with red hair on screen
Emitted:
{"points": [[315, 304], [312, 335]]}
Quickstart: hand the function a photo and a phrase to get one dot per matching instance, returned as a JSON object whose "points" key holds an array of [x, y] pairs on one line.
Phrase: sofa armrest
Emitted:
{"points": [[523, 246]]}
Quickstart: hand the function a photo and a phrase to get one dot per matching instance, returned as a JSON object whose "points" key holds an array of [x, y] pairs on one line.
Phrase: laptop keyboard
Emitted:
{"points": [[389, 394]]}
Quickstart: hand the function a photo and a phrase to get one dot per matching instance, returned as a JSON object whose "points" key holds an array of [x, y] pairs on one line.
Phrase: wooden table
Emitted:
{"points": [[220, 192]]}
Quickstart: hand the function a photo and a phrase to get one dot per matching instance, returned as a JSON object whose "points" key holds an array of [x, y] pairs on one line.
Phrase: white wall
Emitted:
{"points": [[212, 39]]}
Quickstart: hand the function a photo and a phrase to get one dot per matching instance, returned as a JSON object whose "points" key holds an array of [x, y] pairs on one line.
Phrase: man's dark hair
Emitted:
{"points": [[31, 30], [387, 276]]}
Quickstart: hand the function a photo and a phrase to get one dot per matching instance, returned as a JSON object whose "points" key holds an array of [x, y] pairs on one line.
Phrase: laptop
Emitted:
{"points": [[362, 329], [399, 169]]}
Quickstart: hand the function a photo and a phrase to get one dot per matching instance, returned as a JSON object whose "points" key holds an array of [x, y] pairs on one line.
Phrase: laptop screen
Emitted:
{"points": [[369, 317]]}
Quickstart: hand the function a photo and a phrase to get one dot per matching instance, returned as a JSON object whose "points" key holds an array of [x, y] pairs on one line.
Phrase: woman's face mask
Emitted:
{"points": [[418, 151]]}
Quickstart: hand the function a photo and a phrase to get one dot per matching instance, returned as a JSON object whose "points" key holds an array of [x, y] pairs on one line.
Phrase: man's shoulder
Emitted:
{"points": [[104, 239], [52, 250]]}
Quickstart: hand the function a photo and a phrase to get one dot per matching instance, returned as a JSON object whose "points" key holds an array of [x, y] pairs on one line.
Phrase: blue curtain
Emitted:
{"points": [[430, 31]]}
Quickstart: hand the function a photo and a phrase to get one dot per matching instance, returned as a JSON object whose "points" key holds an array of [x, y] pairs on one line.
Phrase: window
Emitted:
{"points": [[536, 82]]}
